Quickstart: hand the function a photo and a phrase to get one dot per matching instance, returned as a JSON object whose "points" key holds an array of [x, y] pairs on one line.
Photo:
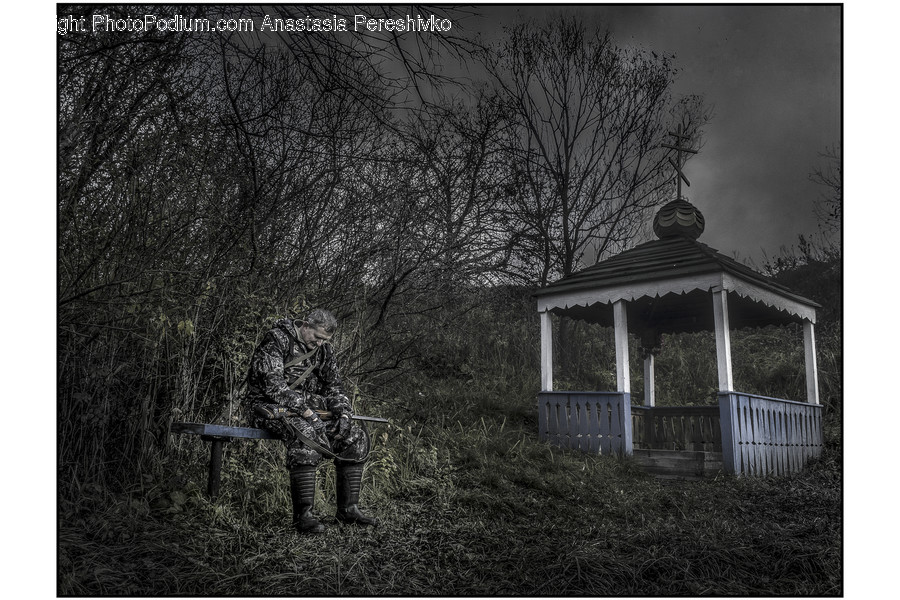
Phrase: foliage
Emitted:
{"points": [[211, 183], [471, 504], [207, 185]]}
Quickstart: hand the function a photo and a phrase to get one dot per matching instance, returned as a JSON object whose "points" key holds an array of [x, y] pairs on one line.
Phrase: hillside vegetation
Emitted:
{"points": [[471, 503]]}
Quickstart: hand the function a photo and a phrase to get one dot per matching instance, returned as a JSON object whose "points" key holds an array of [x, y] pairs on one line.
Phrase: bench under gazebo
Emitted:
{"points": [[670, 285]]}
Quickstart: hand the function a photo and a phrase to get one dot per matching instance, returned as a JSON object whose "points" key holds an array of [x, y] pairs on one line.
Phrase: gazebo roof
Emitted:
{"points": [[667, 283]]}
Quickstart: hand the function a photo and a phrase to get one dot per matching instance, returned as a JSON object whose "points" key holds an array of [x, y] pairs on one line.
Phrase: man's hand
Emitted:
{"points": [[343, 427], [315, 422], [318, 426]]}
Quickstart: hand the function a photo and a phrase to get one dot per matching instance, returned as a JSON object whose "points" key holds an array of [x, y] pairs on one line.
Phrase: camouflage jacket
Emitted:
{"points": [[269, 380]]}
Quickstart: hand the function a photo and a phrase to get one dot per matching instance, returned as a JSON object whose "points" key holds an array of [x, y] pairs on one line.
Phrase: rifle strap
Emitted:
{"points": [[299, 360], [322, 449], [302, 377]]}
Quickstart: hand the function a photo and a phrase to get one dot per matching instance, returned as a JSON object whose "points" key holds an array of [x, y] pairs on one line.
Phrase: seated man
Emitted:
{"points": [[293, 374]]}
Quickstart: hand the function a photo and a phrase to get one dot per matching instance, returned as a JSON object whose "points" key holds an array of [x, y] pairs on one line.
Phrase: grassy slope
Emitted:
{"points": [[473, 507]]}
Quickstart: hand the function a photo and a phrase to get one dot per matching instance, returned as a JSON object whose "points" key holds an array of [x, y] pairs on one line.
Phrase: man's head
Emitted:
{"points": [[317, 328]]}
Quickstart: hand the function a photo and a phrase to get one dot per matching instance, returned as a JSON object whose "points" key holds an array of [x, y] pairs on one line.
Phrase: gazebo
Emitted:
{"points": [[678, 284]]}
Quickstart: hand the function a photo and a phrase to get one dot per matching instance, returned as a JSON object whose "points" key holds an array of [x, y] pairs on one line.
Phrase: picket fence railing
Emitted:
{"points": [[685, 428], [757, 436], [594, 422], [768, 436]]}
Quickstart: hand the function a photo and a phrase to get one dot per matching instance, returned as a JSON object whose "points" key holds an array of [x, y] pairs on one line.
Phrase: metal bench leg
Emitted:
{"points": [[215, 465]]}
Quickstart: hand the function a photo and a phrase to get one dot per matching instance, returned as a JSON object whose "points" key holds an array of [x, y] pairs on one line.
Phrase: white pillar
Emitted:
{"points": [[623, 375], [723, 340], [650, 380], [812, 373], [546, 352]]}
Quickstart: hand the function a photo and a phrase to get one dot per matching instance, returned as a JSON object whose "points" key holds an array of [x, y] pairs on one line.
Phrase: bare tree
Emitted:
{"points": [[457, 154], [589, 118], [830, 207]]}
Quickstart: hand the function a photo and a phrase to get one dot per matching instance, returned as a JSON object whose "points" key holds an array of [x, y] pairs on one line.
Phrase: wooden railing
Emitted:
{"points": [[691, 428], [756, 435], [768, 436], [595, 422]]}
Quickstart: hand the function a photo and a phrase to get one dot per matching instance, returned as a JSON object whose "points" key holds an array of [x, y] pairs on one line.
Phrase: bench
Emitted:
{"points": [[217, 435]]}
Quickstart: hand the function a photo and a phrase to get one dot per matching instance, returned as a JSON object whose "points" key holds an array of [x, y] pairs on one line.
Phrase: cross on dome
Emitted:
{"points": [[681, 138], [679, 218]]}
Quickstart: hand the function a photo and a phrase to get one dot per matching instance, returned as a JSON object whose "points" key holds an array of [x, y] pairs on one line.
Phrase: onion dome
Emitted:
{"points": [[678, 218]]}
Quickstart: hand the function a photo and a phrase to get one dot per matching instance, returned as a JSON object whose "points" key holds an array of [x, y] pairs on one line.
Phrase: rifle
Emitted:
{"points": [[273, 411]]}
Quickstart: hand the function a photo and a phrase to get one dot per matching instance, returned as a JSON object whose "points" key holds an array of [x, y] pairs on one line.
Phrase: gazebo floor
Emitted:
{"points": [[679, 464]]}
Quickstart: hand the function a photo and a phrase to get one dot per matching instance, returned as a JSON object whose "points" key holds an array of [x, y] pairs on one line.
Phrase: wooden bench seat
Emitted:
{"points": [[217, 435]]}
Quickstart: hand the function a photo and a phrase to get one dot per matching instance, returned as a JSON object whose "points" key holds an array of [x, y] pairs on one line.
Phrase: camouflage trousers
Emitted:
{"points": [[354, 448]]}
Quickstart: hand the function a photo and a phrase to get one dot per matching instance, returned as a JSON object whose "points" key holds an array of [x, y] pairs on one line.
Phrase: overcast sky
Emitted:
{"points": [[773, 76]]}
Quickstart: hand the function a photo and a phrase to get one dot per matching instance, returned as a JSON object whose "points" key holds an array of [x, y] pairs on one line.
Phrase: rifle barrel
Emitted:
{"points": [[373, 419], [326, 415]]}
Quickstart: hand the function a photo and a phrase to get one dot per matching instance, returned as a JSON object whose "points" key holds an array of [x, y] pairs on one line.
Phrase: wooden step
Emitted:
{"points": [[677, 464]]}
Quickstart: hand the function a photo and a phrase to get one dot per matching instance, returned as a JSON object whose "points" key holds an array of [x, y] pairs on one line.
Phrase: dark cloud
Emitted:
{"points": [[773, 75]]}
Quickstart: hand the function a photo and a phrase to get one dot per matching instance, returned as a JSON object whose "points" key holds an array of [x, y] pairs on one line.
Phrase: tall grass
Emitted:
{"points": [[475, 506], [471, 503]]}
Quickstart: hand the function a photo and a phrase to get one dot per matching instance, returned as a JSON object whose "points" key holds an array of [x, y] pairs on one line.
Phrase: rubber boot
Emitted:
{"points": [[303, 495], [349, 483]]}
